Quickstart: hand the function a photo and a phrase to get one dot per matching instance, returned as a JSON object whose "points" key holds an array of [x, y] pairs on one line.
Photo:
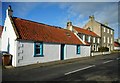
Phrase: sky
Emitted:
{"points": [[58, 13]]}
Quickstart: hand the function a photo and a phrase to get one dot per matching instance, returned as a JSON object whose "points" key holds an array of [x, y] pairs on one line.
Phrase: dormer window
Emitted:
{"points": [[68, 34], [88, 28]]}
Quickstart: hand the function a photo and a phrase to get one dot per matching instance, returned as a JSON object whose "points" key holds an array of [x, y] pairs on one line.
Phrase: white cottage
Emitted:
{"points": [[30, 42]]}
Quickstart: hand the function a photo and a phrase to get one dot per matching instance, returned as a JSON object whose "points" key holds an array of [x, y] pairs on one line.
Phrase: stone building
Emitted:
{"points": [[103, 30]]}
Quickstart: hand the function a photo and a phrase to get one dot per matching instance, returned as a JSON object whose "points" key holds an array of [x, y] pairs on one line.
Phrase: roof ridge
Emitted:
{"points": [[104, 25], [39, 23], [84, 29]]}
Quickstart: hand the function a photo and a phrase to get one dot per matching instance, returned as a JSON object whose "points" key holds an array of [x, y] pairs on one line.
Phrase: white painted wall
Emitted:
{"points": [[99, 53], [71, 51], [9, 33], [25, 54], [116, 48], [51, 52]]}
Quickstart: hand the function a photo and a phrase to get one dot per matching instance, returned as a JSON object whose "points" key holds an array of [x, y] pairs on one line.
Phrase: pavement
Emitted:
{"points": [[102, 67]]}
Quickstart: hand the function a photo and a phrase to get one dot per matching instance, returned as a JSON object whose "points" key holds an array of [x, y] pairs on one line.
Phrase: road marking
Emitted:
{"points": [[107, 61], [79, 69]]}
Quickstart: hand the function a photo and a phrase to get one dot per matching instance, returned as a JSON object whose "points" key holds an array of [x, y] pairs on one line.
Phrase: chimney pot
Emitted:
{"points": [[9, 11], [91, 17]]}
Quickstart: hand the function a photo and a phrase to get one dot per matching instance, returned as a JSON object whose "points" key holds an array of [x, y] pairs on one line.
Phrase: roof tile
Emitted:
{"points": [[84, 31], [29, 30]]}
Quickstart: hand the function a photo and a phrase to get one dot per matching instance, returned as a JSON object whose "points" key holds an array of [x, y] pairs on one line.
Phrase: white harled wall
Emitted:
{"points": [[25, 54], [51, 52], [9, 33], [71, 51]]}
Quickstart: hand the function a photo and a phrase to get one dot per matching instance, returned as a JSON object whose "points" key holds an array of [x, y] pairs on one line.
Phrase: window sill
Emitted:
{"points": [[38, 55]]}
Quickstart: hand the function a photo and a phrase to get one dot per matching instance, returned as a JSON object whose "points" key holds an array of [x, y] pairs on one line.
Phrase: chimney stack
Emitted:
{"points": [[69, 25], [91, 18], [106, 23], [9, 11]]}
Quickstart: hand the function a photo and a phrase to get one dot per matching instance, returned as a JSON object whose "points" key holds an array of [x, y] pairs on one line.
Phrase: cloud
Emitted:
{"points": [[25, 9], [103, 12]]}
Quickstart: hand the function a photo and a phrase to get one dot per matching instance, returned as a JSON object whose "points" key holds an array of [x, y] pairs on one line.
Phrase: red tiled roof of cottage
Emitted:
{"points": [[1, 28], [116, 44], [84, 31], [29, 30]]}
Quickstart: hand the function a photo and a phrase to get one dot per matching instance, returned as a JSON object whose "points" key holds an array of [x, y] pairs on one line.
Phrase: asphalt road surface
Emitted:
{"points": [[98, 68]]}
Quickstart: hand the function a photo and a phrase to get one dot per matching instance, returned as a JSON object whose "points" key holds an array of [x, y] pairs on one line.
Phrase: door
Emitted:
{"points": [[62, 51]]}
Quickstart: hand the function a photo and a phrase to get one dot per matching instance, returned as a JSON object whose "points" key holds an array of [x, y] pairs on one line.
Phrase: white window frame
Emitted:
{"points": [[104, 29], [98, 40], [83, 37], [93, 39], [111, 31], [107, 30], [89, 37]]}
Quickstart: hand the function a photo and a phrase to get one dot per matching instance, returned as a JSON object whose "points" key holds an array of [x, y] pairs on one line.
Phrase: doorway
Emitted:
{"points": [[62, 51]]}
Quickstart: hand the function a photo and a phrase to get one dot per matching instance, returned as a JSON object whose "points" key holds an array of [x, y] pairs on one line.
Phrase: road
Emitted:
{"points": [[98, 68]]}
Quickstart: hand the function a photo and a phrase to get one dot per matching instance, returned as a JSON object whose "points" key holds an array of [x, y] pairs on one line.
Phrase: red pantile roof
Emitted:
{"points": [[29, 30], [84, 31], [116, 44], [1, 28]]}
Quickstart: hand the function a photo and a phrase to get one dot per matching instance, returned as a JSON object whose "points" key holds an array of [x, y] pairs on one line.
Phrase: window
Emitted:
{"points": [[108, 39], [83, 37], [107, 30], [89, 38], [104, 39], [93, 39], [78, 49], [5, 28], [98, 41], [38, 49], [104, 29], [111, 31]]}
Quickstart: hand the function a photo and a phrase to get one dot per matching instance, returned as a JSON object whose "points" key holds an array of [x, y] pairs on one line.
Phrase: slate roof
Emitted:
{"points": [[105, 25], [30, 30], [84, 31]]}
